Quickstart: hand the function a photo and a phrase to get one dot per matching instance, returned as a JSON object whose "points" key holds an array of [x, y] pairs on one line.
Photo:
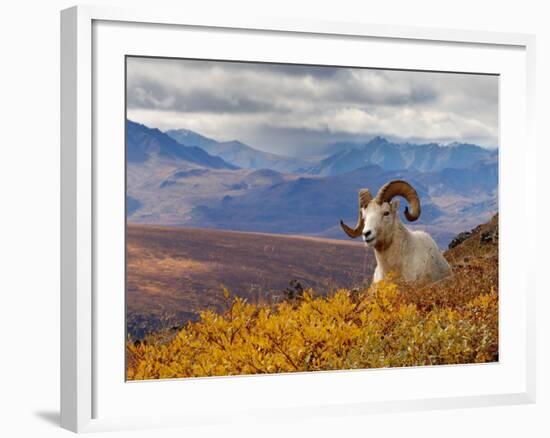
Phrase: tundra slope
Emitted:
{"points": [[411, 255]]}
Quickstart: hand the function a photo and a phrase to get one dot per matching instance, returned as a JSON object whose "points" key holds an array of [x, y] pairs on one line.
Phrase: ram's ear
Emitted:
{"points": [[395, 205]]}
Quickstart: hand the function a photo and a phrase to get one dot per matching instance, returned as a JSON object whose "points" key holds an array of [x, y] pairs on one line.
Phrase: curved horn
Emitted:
{"points": [[404, 189], [364, 198]]}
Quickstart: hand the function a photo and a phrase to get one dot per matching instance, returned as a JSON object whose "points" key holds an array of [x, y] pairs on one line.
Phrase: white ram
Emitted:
{"points": [[411, 255]]}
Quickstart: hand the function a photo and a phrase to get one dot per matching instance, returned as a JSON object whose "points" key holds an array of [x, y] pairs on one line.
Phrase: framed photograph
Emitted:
{"points": [[282, 217]]}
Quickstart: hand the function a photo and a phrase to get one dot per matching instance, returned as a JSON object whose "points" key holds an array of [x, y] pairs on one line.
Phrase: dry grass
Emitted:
{"points": [[174, 273]]}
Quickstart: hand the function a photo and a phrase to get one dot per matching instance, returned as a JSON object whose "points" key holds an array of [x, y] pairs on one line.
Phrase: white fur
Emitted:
{"points": [[411, 255]]}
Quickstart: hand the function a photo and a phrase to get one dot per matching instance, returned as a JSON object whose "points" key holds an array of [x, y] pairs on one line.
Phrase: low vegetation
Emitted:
{"points": [[389, 324]]}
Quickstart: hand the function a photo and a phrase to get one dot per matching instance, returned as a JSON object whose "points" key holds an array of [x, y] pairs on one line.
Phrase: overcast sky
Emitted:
{"points": [[291, 109]]}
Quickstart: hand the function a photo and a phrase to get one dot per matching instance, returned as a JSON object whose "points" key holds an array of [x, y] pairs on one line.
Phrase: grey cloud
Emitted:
{"points": [[146, 93], [319, 72], [288, 108]]}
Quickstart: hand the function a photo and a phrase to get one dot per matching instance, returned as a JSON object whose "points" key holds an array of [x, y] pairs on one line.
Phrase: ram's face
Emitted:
{"points": [[378, 222]]}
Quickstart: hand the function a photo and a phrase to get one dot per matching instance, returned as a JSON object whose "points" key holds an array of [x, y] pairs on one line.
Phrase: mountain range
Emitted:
{"points": [[143, 142], [308, 205], [183, 178], [430, 157], [239, 154]]}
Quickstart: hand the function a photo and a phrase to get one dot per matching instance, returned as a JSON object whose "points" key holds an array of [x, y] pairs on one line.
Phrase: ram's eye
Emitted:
{"points": [[386, 213]]}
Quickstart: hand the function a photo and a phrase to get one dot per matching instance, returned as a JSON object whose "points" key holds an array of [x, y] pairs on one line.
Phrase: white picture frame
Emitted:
{"points": [[92, 387]]}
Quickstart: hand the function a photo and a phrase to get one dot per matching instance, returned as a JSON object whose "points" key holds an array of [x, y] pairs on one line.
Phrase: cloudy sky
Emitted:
{"points": [[292, 110]]}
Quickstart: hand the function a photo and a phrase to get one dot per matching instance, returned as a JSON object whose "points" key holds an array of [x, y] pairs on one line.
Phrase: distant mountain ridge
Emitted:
{"points": [[238, 153], [429, 157], [142, 143], [190, 138]]}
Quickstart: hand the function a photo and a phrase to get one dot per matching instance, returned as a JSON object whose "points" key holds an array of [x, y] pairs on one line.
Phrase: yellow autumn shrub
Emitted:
{"points": [[386, 325]]}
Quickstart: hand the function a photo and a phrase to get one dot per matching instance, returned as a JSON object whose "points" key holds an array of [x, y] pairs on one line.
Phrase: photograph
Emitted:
{"points": [[287, 218]]}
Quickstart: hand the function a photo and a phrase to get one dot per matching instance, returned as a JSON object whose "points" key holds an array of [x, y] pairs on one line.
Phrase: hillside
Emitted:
{"points": [[389, 324], [166, 193], [174, 273], [481, 241]]}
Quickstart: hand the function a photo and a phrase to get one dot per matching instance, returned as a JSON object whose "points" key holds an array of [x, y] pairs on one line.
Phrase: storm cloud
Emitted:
{"points": [[293, 109]]}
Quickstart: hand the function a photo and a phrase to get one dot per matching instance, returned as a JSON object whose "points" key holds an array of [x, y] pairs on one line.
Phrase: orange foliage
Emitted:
{"points": [[382, 326]]}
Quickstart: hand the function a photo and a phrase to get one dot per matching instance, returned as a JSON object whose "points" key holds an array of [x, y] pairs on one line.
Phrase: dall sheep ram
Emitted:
{"points": [[411, 255]]}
